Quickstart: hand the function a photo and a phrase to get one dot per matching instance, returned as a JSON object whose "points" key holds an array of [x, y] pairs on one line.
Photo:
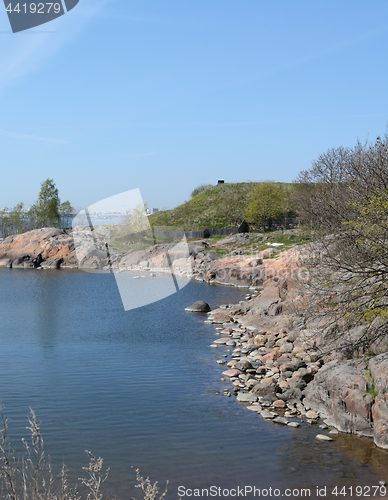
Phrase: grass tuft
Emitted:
{"points": [[30, 476]]}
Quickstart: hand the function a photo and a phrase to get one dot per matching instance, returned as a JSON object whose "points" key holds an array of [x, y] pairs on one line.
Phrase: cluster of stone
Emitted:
{"points": [[293, 358], [295, 354], [268, 370]]}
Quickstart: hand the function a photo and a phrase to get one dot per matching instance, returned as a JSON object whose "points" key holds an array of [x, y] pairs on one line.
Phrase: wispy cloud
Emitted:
{"points": [[32, 137], [23, 55]]}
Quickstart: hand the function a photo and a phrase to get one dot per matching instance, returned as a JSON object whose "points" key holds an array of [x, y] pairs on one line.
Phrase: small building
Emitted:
{"points": [[243, 227]]}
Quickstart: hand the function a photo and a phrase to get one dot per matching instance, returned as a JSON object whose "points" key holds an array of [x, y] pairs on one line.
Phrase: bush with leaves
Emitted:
{"points": [[200, 189], [30, 477], [14, 221], [267, 203]]}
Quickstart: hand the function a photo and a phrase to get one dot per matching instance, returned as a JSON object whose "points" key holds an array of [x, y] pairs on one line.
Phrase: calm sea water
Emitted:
{"points": [[138, 388]]}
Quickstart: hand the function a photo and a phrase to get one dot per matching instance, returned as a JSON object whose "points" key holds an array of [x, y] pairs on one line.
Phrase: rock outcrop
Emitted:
{"points": [[284, 353], [86, 249], [339, 393], [49, 246], [379, 373]]}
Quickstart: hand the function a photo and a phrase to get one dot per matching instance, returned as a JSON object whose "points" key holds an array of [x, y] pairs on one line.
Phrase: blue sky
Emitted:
{"points": [[165, 95]]}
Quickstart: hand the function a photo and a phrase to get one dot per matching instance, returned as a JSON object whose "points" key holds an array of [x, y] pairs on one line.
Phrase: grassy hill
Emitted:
{"points": [[219, 206]]}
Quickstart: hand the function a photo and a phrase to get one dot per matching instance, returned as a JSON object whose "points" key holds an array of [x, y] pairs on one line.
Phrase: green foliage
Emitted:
{"points": [[14, 221], [4, 226], [267, 203], [200, 189], [17, 218], [136, 221], [372, 391], [134, 233], [258, 242], [223, 205], [370, 384], [46, 209], [368, 234], [65, 210]]}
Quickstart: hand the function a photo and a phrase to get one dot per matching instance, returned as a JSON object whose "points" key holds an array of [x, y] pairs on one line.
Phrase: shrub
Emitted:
{"points": [[267, 203], [200, 189], [30, 477]]}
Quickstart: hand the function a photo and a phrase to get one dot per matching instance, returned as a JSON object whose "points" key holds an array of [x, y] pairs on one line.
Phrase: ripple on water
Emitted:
{"points": [[138, 388]]}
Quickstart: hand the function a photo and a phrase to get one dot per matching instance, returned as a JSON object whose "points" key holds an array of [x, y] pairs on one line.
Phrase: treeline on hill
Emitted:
{"points": [[47, 211], [228, 205], [344, 198]]}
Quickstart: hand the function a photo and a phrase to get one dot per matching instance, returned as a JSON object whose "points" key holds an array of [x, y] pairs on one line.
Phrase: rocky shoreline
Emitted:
{"points": [[269, 380], [283, 364], [279, 363]]}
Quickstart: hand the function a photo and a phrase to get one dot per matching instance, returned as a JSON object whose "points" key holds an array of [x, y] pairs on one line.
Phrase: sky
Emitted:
{"points": [[165, 95]]}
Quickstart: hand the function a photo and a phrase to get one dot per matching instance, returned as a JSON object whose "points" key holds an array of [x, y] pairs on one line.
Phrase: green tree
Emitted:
{"points": [[65, 210], [4, 223], [17, 219], [32, 217], [267, 203], [47, 206], [134, 228], [136, 220]]}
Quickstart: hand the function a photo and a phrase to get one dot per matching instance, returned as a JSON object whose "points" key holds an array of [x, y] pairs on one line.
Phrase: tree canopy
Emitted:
{"points": [[65, 211], [47, 211], [266, 204], [46, 208]]}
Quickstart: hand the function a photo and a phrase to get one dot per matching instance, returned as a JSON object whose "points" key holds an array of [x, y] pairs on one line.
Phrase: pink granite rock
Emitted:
{"points": [[233, 372]]}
